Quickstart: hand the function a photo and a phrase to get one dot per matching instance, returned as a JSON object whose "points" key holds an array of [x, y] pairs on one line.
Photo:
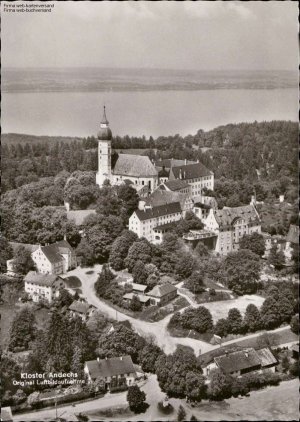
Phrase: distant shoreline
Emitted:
{"points": [[16, 80]]}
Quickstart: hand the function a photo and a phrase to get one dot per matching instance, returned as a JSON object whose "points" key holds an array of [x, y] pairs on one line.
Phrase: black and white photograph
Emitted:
{"points": [[149, 211]]}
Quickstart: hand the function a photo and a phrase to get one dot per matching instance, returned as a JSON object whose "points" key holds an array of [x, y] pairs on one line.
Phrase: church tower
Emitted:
{"points": [[104, 151]]}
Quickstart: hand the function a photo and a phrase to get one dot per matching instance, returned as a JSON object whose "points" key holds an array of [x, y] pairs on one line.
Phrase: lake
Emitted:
{"points": [[139, 113]]}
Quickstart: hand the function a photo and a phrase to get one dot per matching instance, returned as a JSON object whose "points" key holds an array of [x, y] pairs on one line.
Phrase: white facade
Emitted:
{"points": [[43, 264], [104, 161], [39, 291], [199, 183], [144, 227], [229, 235], [138, 182]]}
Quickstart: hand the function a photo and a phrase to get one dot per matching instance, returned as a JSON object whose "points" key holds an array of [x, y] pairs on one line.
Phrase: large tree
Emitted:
{"points": [[219, 387], [176, 374], [6, 253], [276, 257], [22, 261], [81, 190], [136, 398], [254, 242], [104, 280], [119, 249], [23, 327], [122, 341], [234, 321], [195, 282], [240, 271], [140, 250], [252, 319]]}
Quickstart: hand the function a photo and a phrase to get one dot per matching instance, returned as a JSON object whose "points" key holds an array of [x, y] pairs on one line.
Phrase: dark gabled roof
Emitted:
{"points": [[266, 357], [126, 323], [139, 287], [134, 165], [237, 361], [177, 184], [162, 290], [46, 280], [227, 215], [163, 173], [27, 246], [159, 211], [110, 367], [201, 205], [52, 253], [293, 234], [161, 197], [78, 216], [80, 307], [191, 171], [171, 162], [64, 244]]}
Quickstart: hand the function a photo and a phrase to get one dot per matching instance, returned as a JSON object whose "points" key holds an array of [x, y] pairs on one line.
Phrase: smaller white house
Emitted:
{"points": [[42, 286], [111, 371], [82, 309], [162, 294]]}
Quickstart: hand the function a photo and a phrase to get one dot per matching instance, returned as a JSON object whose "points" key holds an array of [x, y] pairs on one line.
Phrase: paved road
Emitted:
{"points": [[271, 403]]}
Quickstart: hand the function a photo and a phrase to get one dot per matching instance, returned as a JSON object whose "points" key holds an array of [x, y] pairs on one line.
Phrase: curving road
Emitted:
{"points": [[158, 329]]}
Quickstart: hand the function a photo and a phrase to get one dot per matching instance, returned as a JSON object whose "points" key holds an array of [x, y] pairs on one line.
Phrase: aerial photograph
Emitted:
{"points": [[149, 266]]}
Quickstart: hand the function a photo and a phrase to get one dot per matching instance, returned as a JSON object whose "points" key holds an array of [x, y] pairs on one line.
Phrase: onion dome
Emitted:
{"points": [[104, 133]]}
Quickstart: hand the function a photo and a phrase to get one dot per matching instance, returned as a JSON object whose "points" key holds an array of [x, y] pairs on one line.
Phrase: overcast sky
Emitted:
{"points": [[166, 34]]}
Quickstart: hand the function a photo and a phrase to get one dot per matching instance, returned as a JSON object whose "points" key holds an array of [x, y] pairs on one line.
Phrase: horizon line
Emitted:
{"points": [[148, 68]]}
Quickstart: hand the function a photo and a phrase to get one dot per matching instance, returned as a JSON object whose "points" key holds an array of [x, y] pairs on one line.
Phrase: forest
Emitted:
{"points": [[246, 158]]}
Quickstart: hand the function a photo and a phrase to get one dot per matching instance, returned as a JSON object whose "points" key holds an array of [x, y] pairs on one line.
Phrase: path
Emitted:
{"points": [[159, 329]]}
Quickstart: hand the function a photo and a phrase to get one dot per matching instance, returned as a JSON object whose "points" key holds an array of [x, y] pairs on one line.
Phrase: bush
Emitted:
{"points": [[82, 417], [166, 408]]}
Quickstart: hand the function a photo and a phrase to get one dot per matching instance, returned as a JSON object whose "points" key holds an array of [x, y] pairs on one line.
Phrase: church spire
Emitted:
{"points": [[104, 120]]}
